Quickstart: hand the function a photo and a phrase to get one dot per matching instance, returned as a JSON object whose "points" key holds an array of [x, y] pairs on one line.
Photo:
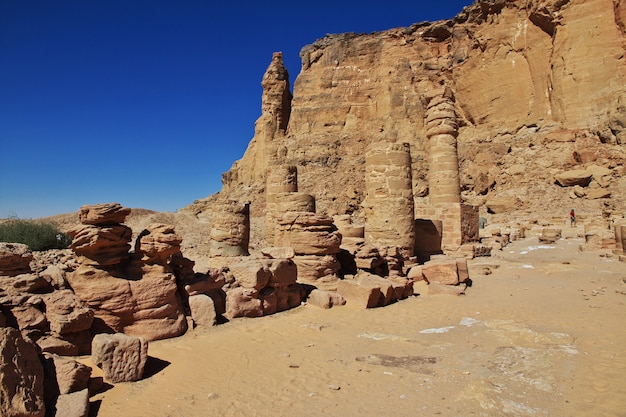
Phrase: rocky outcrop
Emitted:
{"points": [[129, 293]]}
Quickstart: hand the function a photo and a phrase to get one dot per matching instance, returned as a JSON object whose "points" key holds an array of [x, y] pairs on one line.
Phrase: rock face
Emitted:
{"points": [[538, 87]]}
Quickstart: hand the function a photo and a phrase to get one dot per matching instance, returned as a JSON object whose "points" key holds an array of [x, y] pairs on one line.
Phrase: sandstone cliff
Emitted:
{"points": [[539, 89]]}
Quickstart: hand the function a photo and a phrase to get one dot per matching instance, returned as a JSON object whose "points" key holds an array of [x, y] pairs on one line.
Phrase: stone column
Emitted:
{"points": [[388, 203], [281, 179], [282, 196], [456, 222], [442, 131], [230, 229]]}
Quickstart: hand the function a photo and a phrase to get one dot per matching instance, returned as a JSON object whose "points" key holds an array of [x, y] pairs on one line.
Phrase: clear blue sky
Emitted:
{"points": [[148, 102]]}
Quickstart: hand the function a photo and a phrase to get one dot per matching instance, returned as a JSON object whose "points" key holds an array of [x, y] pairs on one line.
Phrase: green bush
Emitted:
{"points": [[38, 235]]}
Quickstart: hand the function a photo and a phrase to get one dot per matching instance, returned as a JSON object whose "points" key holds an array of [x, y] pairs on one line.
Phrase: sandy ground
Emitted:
{"points": [[539, 333]]}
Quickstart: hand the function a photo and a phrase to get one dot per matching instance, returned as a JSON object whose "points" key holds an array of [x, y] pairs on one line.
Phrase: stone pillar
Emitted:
{"points": [[282, 196], [456, 222], [230, 229], [388, 201], [442, 131]]}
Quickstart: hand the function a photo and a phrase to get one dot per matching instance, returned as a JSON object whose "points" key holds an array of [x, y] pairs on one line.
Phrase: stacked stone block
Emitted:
{"points": [[459, 222], [315, 241], [282, 196]]}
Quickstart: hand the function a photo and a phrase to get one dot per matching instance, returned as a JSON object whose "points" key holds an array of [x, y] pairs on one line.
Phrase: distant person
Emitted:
{"points": [[572, 218]]}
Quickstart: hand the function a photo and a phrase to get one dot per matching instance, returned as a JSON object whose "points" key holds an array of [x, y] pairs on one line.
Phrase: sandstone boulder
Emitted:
{"points": [[157, 243], [21, 376], [64, 375], [75, 404], [243, 302], [24, 283], [359, 296], [106, 245], [502, 204], [144, 303], [278, 252], [205, 283], [103, 214], [313, 269], [121, 357], [67, 313], [573, 177], [598, 193], [15, 259], [262, 286], [250, 273]]}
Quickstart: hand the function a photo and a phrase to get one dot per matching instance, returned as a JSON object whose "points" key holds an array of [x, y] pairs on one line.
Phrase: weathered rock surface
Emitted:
{"points": [[67, 313], [121, 357], [141, 302], [325, 299], [106, 245], [158, 243], [21, 377], [64, 375]]}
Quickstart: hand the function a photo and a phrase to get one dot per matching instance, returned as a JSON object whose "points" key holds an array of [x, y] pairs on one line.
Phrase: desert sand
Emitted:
{"points": [[539, 333]]}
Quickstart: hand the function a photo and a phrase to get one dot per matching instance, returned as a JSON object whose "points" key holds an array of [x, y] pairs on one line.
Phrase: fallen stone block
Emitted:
{"points": [[385, 286], [202, 310], [325, 299], [442, 270], [75, 404], [64, 375], [122, 358], [358, 295]]}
